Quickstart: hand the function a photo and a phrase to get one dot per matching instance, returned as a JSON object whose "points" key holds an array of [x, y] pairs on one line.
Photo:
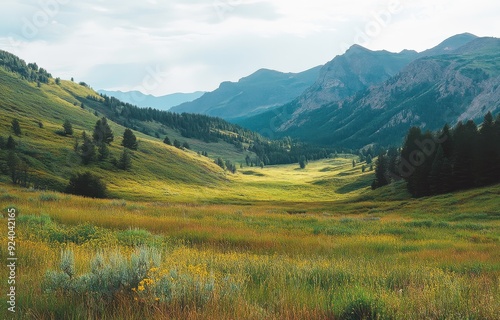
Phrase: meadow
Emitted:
{"points": [[288, 244], [179, 238]]}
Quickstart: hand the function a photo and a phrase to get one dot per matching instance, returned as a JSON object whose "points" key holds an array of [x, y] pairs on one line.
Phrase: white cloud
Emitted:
{"points": [[199, 43]]}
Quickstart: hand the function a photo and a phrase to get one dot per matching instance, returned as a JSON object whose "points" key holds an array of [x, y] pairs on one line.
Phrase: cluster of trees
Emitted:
{"points": [[177, 143], [226, 165], [97, 147], [444, 161], [30, 71]]}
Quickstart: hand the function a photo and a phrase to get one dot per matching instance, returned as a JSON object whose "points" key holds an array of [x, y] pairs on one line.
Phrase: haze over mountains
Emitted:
{"points": [[263, 90], [149, 101]]}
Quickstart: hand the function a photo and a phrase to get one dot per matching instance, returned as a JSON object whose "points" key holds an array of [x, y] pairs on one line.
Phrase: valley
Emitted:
{"points": [[199, 218]]}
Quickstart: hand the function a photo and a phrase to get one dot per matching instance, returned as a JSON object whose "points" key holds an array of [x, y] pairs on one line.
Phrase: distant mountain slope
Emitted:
{"points": [[354, 71], [260, 91], [149, 101], [428, 92]]}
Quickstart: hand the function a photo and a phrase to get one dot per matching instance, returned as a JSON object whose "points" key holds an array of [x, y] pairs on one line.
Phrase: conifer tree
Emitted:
{"points": [[102, 132], [129, 140], [16, 127], [68, 128]]}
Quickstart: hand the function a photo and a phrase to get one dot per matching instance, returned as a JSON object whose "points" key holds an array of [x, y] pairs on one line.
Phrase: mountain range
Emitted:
{"points": [[365, 96], [263, 90], [149, 101]]}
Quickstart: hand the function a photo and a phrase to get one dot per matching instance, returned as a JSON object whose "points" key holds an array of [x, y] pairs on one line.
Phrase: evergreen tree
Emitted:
{"points": [[464, 137], [220, 163], [16, 127], [487, 156], [13, 163], [87, 150], [129, 140], [185, 145], [369, 159], [125, 162], [303, 162], [167, 141], [435, 175], [11, 143], [381, 168], [68, 128], [103, 151], [353, 163], [102, 132], [177, 143]]}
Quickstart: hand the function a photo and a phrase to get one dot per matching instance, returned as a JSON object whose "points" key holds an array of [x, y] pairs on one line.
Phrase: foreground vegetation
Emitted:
{"points": [[351, 258]]}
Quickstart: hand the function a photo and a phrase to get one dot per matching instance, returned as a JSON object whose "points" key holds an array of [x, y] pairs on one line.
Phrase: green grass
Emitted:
{"points": [[274, 243]]}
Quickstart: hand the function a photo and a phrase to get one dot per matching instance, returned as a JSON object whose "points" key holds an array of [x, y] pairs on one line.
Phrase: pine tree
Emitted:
{"points": [[487, 154], [87, 150], [435, 176], [129, 140], [103, 151], [11, 143], [177, 144], [381, 168], [13, 163], [464, 137], [303, 162], [102, 132], [125, 162], [68, 128], [167, 141], [16, 127]]}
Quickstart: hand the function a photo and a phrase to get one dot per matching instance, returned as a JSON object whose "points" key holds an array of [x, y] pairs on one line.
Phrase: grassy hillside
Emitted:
{"points": [[53, 160]]}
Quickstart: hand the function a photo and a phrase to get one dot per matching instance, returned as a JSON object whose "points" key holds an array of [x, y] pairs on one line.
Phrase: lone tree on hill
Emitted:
{"points": [[68, 128], [302, 162], [102, 132], [87, 185], [129, 140], [16, 127]]}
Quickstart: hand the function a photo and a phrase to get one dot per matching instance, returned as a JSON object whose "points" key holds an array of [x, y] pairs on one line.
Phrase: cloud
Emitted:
{"points": [[199, 43]]}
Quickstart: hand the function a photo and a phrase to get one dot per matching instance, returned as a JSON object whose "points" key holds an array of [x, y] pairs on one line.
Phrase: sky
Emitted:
{"points": [[161, 47]]}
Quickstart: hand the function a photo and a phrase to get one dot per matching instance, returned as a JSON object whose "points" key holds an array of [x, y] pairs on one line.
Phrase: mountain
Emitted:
{"points": [[429, 92], [263, 90], [149, 101], [449, 45]]}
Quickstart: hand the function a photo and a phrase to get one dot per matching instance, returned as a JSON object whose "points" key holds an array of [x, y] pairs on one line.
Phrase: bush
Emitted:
{"points": [[107, 277], [87, 185]]}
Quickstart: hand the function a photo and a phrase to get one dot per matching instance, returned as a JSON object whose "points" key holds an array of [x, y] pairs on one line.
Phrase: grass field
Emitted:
{"points": [[310, 244], [180, 238]]}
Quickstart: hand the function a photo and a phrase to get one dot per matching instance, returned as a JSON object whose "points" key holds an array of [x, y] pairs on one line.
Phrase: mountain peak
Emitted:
{"points": [[356, 48], [449, 45]]}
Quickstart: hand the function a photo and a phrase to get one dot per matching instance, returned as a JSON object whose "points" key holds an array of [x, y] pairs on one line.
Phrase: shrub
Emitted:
{"points": [[107, 277], [87, 185], [361, 307]]}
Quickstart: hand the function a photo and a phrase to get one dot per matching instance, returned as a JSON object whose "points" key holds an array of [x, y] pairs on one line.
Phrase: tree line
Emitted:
{"points": [[30, 71], [211, 130], [439, 162]]}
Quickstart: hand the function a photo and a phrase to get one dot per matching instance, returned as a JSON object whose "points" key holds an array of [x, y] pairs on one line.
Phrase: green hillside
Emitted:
{"points": [[41, 112]]}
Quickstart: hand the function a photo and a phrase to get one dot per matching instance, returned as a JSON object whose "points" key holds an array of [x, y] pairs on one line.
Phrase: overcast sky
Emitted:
{"points": [[161, 47]]}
